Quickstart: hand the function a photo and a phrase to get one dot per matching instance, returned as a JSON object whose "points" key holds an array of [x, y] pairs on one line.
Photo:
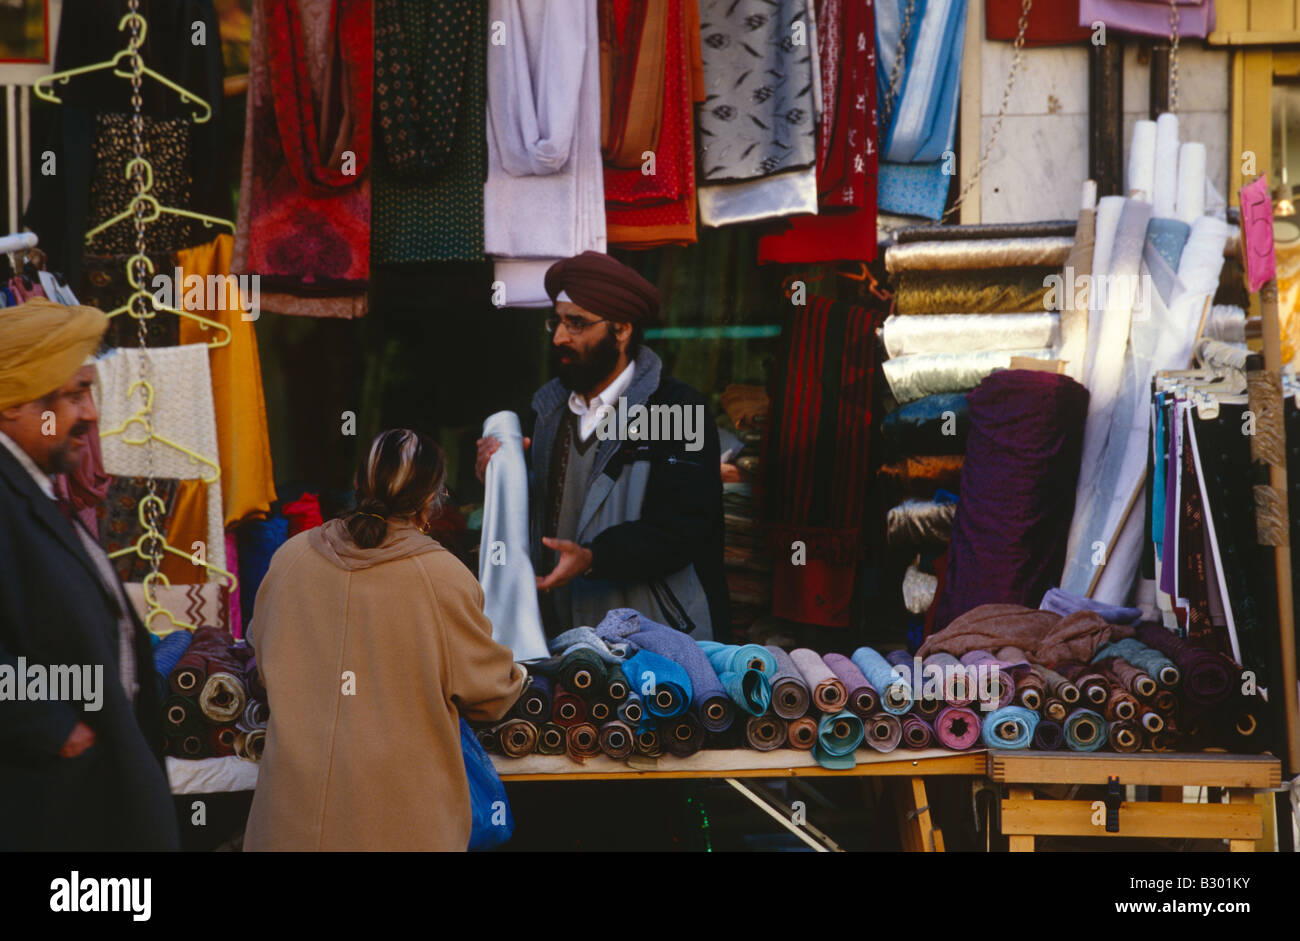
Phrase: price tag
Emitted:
{"points": [[1257, 234]]}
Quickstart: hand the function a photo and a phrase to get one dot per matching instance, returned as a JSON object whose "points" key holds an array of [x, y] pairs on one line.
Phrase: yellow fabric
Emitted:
{"points": [[189, 524], [42, 345], [1288, 299], [247, 482]]}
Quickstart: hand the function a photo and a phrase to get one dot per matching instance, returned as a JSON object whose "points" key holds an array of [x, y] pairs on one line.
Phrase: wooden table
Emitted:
{"points": [[906, 769], [1241, 821]]}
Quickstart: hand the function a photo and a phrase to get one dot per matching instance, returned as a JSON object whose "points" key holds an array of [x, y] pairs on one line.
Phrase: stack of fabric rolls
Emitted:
{"points": [[214, 704]]}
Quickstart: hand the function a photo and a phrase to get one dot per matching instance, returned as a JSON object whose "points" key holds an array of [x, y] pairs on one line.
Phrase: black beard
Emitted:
{"points": [[587, 371], [61, 459]]}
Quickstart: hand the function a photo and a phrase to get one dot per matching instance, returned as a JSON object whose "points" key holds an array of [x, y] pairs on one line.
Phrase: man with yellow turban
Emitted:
{"points": [[80, 718]]}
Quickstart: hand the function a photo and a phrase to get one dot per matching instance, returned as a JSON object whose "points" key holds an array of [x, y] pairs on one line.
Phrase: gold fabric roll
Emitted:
{"points": [[977, 254], [993, 291]]}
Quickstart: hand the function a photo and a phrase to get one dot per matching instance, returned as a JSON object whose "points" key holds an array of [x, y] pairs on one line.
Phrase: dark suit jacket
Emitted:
{"points": [[55, 610]]}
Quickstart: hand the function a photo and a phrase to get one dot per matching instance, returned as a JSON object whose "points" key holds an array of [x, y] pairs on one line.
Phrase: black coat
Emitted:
{"points": [[55, 610]]}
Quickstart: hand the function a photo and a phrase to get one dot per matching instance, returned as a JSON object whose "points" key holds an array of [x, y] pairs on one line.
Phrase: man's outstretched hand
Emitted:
{"points": [[574, 561]]}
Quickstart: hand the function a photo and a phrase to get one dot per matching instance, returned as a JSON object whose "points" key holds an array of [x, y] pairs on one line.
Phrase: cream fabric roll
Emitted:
{"points": [[771, 197], [968, 333], [1164, 197], [1142, 162], [916, 376], [1190, 204]]}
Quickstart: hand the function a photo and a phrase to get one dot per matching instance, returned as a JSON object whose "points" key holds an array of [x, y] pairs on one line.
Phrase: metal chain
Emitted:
{"points": [[896, 73], [1173, 55], [1018, 47]]}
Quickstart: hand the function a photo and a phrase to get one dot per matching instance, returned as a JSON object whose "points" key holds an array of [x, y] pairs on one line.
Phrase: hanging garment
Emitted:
{"points": [[186, 531], [427, 201], [505, 569], [816, 460], [119, 524], [182, 413], [304, 219], [201, 605], [633, 73], [104, 285], [247, 480], [544, 195], [784, 194], [1148, 18], [1051, 22], [644, 210]]}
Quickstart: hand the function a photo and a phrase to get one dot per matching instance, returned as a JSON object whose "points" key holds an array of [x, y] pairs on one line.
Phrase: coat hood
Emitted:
{"points": [[403, 540]]}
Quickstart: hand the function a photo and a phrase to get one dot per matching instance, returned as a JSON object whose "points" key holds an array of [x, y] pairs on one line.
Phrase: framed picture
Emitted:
{"points": [[29, 31]]}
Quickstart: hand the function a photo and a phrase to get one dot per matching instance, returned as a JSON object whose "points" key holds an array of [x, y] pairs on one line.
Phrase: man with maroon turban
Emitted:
{"points": [[619, 519]]}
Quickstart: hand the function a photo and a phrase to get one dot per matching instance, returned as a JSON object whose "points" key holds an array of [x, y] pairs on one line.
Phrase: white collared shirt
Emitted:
{"points": [[589, 413], [42, 479]]}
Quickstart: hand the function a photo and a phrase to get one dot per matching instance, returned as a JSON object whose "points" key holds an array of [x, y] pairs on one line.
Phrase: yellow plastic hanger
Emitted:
{"points": [[141, 417], [152, 306], [153, 209], [131, 55]]}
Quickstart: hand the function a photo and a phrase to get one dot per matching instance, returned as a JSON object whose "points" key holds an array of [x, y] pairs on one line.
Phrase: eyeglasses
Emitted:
{"points": [[574, 325]]}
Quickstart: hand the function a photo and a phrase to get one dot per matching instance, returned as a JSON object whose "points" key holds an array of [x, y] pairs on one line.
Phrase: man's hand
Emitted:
{"points": [[80, 738], [574, 561], [486, 448]]}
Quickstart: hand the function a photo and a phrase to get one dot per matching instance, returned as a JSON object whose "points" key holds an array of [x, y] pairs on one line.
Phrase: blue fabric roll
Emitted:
{"points": [[1018, 719], [737, 658], [1169, 237], [258, 540], [656, 678], [169, 650], [1074, 740], [751, 690], [710, 702], [888, 682], [838, 736]]}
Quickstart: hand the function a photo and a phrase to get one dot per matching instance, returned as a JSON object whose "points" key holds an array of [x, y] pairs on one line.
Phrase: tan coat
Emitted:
{"points": [[379, 768]]}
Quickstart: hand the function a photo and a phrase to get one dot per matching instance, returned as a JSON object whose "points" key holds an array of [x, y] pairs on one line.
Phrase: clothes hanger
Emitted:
{"points": [[129, 60], [141, 417], [151, 306], [153, 208]]}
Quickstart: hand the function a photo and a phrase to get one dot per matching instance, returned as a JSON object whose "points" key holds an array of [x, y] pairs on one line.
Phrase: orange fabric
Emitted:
{"points": [[247, 481], [189, 524], [1288, 291]]}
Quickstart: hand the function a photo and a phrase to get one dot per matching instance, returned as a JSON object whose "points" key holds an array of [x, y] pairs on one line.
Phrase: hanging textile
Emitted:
{"points": [[1051, 22], [1147, 18], [247, 480], [200, 605], [104, 285], [544, 196], [633, 63], [816, 460], [119, 520], [188, 527], [427, 201], [304, 215]]}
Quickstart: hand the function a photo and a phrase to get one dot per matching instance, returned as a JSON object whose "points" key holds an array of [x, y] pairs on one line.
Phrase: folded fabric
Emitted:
{"points": [[582, 671], [765, 733], [1046, 637], [828, 693], [1085, 730], [916, 732], [1147, 18], [203, 605], [838, 736], [883, 731], [790, 697], [1049, 735], [1010, 727], [516, 737], [860, 695], [612, 653], [957, 727], [664, 686], [616, 739], [1063, 602], [893, 688]]}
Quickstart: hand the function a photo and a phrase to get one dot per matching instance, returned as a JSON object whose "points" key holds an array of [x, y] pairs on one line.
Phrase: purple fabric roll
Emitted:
{"points": [[958, 689], [957, 727], [1207, 676], [863, 699], [883, 731], [916, 732], [1017, 491], [1049, 736], [986, 660], [790, 695]]}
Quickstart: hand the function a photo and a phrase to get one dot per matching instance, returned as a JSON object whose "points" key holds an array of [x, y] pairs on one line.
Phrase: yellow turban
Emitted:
{"points": [[42, 345]]}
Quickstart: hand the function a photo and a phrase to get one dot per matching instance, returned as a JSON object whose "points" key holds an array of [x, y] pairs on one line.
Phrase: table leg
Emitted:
{"points": [[1241, 795], [1020, 843]]}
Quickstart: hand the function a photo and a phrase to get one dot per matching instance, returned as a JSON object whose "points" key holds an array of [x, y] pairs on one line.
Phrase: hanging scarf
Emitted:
{"points": [[633, 47], [419, 76]]}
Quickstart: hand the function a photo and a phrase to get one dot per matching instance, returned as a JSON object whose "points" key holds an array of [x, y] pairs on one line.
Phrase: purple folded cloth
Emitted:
{"points": [[863, 699], [790, 696], [1208, 676], [916, 732], [1006, 684], [709, 700], [1059, 601]]}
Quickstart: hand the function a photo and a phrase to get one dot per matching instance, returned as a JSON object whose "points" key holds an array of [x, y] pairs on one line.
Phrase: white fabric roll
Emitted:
{"points": [[1165, 195], [1191, 182], [1142, 162], [1088, 199], [770, 197], [968, 333], [921, 374], [505, 566]]}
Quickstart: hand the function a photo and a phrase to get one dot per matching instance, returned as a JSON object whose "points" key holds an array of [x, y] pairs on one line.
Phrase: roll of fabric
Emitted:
{"points": [[582, 741], [207, 651], [861, 697], [915, 376], [1031, 691], [617, 739], [1147, 659], [1129, 677], [251, 744], [919, 478], [1054, 709], [631, 710], [517, 737], [1151, 721], [647, 743], [928, 707], [1017, 491], [1140, 177], [1208, 677], [991, 291], [192, 745], [1049, 735], [1010, 727], [985, 230], [181, 714], [663, 684], [940, 333], [828, 692], [790, 695], [1121, 705], [599, 710], [1058, 686], [1085, 730], [567, 710], [1093, 688], [882, 731], [535, 702], [550, 739], [1166, 702], [612, 652], [936, 424], [957, 727], [838, 736], [893, 688], [993, 684], [750, 690], [616, 689], [958, 689], [223, 698], [170, 650], [916, 732], [765, 733], [975, 254], [582, 671], [1014, 661], [737, 658], [1168, 237], [1163, 741], [256, 715], [801, 733], [1124, 736], [915, 524], [487, 738], [682, 736]]}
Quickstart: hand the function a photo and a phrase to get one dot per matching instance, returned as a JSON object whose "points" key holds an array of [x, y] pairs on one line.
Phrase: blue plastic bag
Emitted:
{"points": [[487, 796]]}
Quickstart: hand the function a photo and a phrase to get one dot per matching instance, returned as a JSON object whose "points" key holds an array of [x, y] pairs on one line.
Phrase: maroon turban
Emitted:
{"points": [[605, 286]]}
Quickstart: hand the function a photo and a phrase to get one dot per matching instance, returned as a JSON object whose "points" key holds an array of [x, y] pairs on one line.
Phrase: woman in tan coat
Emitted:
{"points": [[371, 640]]}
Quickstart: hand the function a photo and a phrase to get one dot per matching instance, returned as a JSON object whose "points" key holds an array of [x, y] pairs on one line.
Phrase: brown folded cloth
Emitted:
{"points": [[1054, 709], [1136, 681], [802, 733], [1058, 687], [616, 739], [517, 737], [582, 741], [1045, 637], [765, 733], [1125, 736], [1092, 683]]}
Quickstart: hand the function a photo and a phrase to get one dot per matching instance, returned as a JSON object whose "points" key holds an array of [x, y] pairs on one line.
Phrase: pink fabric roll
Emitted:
{"points": [[957, 727]]}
